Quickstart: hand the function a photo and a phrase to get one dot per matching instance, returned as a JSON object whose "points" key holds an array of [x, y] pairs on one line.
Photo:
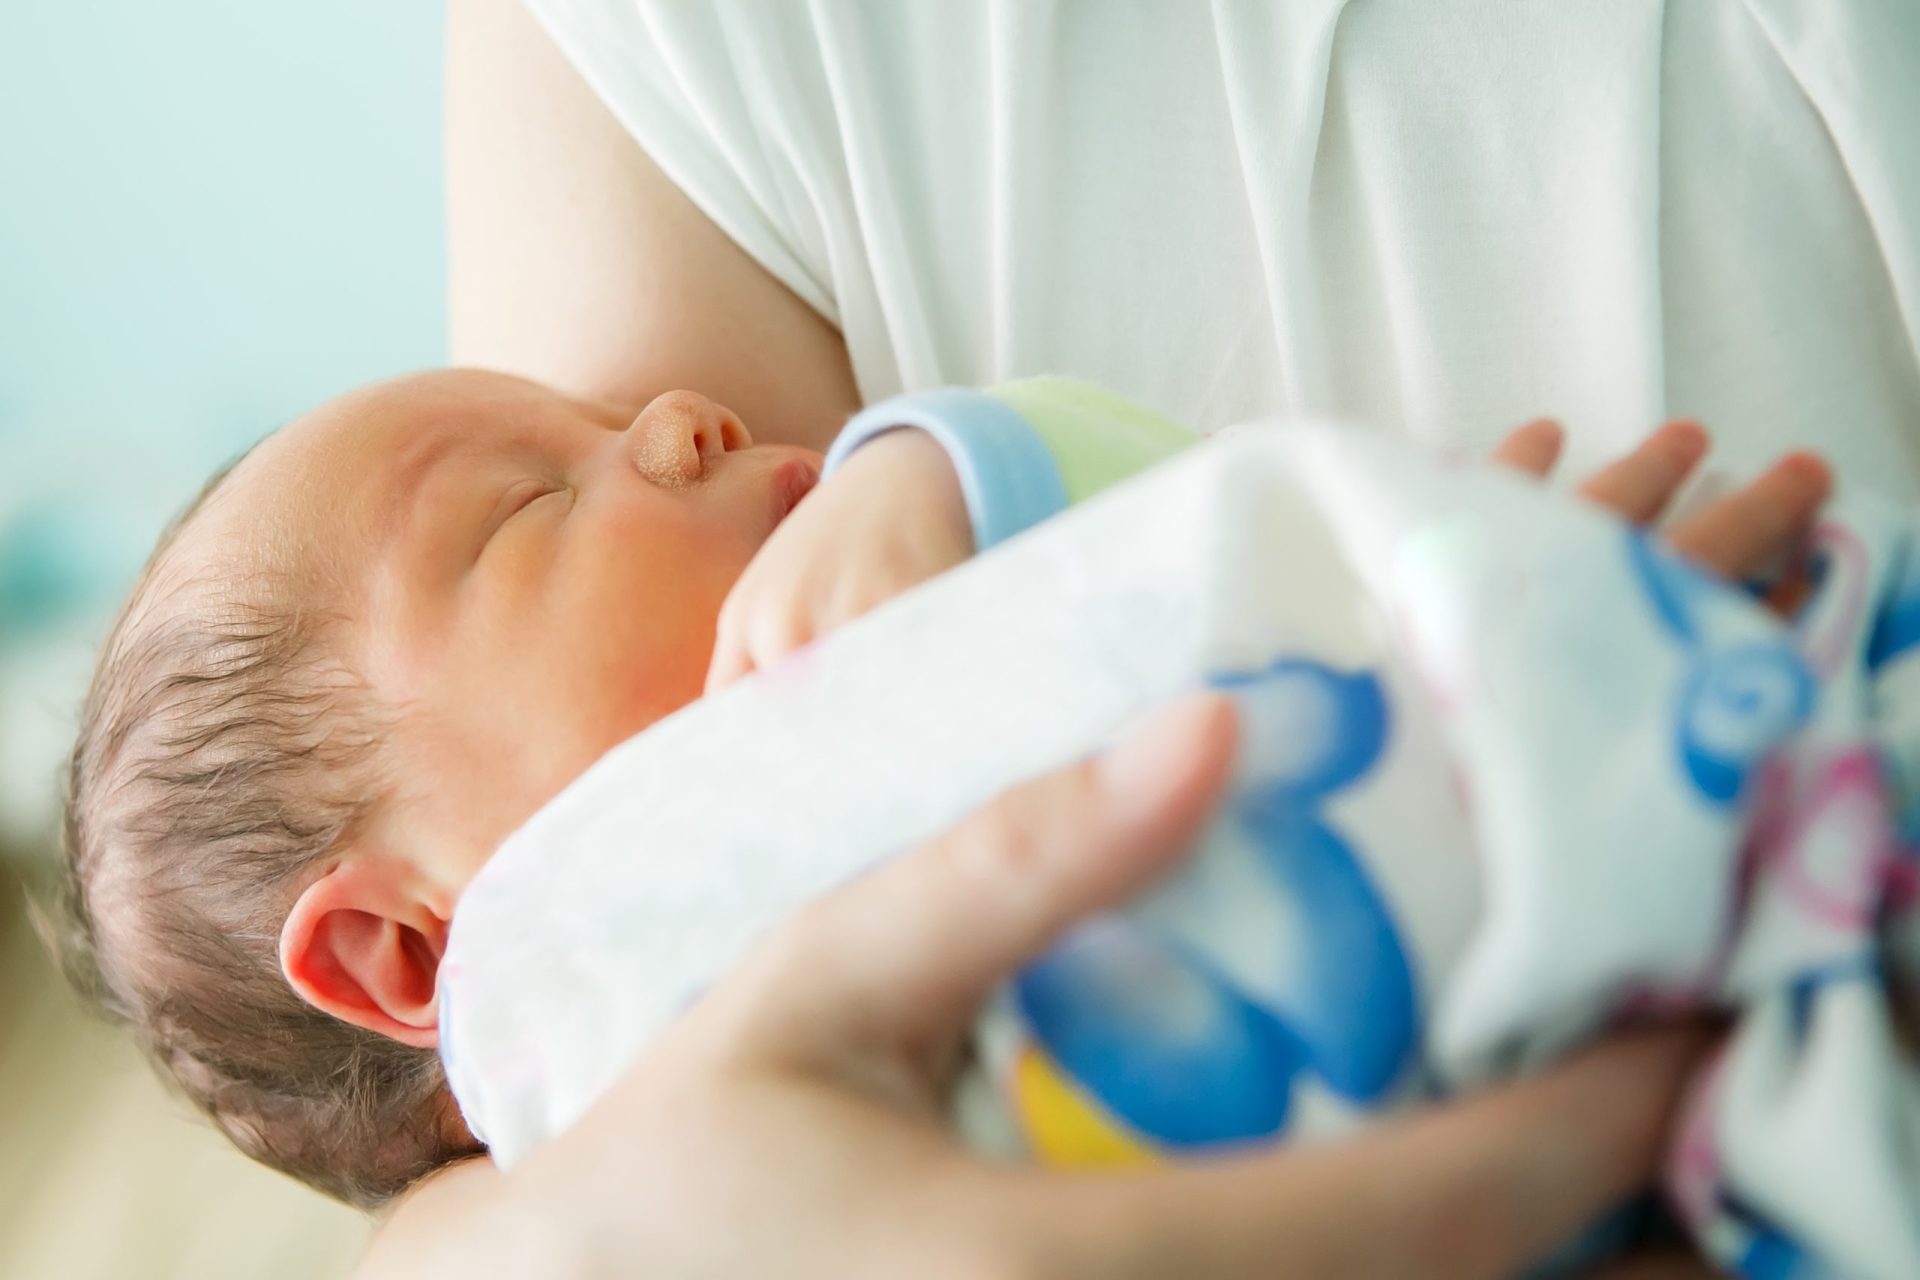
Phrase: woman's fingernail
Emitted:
{"points": [[1807, 469], [1149, 757], [1685, 441]]}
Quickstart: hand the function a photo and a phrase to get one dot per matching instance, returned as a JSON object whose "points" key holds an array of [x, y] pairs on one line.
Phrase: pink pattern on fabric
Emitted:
{"points": [[1694, 1168], [1837, 641], [1801, 824]]}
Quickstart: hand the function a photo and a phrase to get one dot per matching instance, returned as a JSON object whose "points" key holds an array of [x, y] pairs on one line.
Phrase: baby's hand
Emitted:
{"points": [[890, 518], [1736, 536]]}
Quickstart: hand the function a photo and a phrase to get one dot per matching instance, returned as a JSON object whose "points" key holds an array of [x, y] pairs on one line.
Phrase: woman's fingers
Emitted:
{"points": [[1748, 530], [1638, 487], [1500, 1181], [1532, 447], [908, 952], [1482, 1187], [1661, 1266]]}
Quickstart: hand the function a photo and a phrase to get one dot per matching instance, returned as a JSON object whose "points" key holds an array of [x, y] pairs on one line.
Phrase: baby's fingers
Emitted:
{"points": [[769, 634], [738, 641], [1638, 487], [1748, 530], [731, 660]]}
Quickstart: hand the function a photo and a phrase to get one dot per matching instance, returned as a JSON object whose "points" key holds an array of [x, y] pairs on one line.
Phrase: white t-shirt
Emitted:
{"points": [[1443, 216]]}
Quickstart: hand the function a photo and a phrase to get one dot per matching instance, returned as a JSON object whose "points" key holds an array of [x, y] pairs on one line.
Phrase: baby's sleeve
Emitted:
{"points": [[1024, 451], [1096, 438]]}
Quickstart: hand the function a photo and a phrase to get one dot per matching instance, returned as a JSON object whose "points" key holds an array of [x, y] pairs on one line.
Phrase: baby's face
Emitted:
{"points": [[530, 579]]}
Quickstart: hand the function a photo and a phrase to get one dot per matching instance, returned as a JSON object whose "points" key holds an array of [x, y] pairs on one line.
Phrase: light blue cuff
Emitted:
{"points": [[1007, 473]]}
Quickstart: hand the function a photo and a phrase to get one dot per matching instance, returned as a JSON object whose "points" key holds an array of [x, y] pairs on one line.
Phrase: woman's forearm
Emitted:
{"points": [[790, 1123]]}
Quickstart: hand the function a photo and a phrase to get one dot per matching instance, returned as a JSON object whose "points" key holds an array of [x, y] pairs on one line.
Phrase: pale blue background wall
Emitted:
{"points": [[213, 213]]}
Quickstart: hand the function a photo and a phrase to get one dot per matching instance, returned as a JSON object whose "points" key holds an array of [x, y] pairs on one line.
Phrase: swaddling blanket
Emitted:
{"points": [[1508, 774]]}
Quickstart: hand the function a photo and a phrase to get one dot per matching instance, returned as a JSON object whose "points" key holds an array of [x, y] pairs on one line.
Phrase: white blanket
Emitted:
{"points": [[1509, 775]]}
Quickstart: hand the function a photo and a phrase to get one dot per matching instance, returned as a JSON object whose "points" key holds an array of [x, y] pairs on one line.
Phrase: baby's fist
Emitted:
{"points": [[889, 519]]}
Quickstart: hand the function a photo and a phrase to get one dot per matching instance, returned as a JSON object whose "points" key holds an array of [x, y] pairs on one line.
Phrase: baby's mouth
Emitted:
{"points": [[793, 480]]}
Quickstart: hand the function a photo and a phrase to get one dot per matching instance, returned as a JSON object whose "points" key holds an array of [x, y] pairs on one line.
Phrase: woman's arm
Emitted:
{"points": [[574, 261], [792, 1122]]}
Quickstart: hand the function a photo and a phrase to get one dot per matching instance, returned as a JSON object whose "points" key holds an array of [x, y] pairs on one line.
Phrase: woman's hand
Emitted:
{"points": [[890, 518], [1760, 527], [793, 1122]]}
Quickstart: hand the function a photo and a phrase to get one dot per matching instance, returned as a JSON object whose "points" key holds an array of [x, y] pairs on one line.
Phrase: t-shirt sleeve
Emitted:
{"points": [[672, 74], [1026, 450]]}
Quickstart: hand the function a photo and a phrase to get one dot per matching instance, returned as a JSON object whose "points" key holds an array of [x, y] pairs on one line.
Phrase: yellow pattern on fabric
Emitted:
{"points": [[1062, 1124]]}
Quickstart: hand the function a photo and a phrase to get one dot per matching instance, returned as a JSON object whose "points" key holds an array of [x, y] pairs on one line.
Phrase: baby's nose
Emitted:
{"points": [[679, 434]]}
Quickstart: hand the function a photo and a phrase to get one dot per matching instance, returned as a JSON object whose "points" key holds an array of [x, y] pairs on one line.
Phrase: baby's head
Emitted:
{"points": [[370, 650]]}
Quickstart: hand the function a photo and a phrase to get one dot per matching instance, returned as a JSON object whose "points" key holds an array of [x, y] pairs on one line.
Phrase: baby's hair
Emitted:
{"points": [[225, 750]]}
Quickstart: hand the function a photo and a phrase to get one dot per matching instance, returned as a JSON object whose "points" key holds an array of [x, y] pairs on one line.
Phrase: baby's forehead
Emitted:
{"points": [[329, 463], [395, 430], [323, 490], [288, 507]]}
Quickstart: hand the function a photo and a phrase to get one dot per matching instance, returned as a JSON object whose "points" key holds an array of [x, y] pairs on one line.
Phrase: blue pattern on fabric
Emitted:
{"points": [[1739, 702], [1159, 1039], [1173, 1047], [1770, 1253], [1896, 627], [1354, 1005], [1673, 586], [1805, 988], [1336, 723], [1738, 705], [1352, 1001]]}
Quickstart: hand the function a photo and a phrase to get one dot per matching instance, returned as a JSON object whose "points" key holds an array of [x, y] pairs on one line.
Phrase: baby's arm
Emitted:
{"points": [[894, 515], [917, 484]]}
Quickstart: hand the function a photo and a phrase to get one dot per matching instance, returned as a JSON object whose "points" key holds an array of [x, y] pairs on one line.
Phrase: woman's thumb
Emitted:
{"points": [[906, 954]]}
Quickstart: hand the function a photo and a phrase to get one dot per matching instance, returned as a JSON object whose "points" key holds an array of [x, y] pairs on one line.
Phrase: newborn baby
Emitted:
{"points": [[399, 626]]}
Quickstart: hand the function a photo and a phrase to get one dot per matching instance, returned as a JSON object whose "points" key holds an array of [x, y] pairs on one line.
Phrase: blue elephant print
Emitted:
{"points": [[1896, 628], [1169, 1043], [1159, 1038], [1769, 1253], [1740, 701]]}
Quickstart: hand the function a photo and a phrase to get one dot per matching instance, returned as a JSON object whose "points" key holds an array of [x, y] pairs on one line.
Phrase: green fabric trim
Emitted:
{"points": [[1096, 437]]}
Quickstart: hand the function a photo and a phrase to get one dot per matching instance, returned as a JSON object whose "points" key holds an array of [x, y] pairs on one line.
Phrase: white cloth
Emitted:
{"points": [[1493, 793], [1451, 215]]}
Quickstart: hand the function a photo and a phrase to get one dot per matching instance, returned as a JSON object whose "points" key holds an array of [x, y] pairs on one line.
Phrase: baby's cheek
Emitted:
{"points": [[631, 687], [636, 628]]}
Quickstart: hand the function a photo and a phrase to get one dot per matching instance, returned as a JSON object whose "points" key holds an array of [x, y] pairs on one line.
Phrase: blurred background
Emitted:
{"points": [[213, 214]]}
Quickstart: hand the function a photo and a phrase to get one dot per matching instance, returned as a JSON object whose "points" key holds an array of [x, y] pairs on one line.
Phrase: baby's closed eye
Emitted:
{"points": [[516, 499]]}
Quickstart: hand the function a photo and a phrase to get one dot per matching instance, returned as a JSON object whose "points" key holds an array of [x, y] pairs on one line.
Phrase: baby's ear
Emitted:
{"points": [[363, 943]]}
